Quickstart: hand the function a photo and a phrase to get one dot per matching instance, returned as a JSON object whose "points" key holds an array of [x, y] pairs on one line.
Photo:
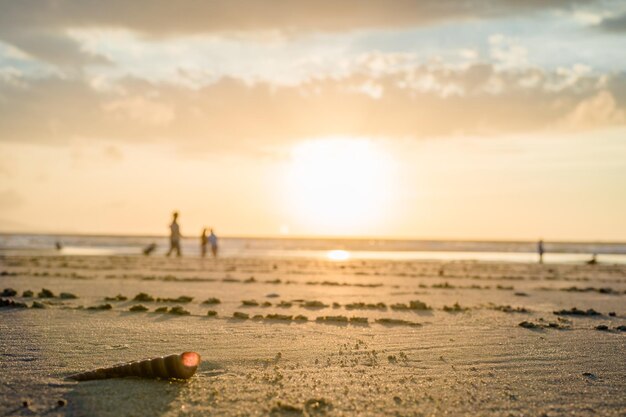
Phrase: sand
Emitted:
{"points": [[465, 355]]}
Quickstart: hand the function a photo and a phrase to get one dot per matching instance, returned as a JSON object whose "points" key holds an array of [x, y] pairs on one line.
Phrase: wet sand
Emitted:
{"points": [[313, 337]]}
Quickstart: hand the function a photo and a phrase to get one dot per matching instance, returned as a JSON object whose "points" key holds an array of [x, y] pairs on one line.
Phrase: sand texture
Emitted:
{"points": [[314, 337]]}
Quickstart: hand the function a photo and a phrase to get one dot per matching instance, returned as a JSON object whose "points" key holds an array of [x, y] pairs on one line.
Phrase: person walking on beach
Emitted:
{"points": [[540, 250], [174, 235], [204, 240], [213, 241]]}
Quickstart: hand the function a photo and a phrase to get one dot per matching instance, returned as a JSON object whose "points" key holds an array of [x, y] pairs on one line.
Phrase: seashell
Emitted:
{"points": [[181, 366]]}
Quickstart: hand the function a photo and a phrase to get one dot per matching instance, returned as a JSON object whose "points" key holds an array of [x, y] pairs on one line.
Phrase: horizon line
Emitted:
{"points": [[322, 237]]}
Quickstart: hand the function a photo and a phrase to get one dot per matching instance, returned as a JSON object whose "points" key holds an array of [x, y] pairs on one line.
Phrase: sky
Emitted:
{"points": [[429, 119]]}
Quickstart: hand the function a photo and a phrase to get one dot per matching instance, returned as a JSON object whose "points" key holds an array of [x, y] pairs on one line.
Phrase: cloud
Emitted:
{"points": [[163, 17], [52, 47], [419, 101], [615, 23], [600, 110]]}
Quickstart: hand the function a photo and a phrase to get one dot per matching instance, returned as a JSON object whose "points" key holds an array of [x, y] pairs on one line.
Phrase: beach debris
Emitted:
{"points": [[272, 295], [182, 299], [27, 294], [9, 292], [161, 310], [249, 303], [365, 306], [284, 317], [266, 304], [138, 308], [118, 297], [396, 322], [284, 304], [455, 308], [7, 302], [550, 325], [332, 319], [179, 310], [603, 290], [211, 313], [602, 327], [413, 305], [61, 403], [211, 300], [359, 320], [45, 293], [314, 304], [281, 409], [67, 296], [520, 294], [240, 315], [300, 317], [445, 285], [106, 306], [509, 309], [177, 366], [576, 312], [590, 375], [612, 313], [37, 304], [621, 328], [142, 296], [249, 280]]}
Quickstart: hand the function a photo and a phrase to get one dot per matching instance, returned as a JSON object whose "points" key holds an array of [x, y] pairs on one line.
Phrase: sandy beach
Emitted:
{"points": [[315, 337]]}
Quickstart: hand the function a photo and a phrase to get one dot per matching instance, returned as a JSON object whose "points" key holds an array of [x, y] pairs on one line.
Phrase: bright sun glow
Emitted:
{"points": [[339, 185]]}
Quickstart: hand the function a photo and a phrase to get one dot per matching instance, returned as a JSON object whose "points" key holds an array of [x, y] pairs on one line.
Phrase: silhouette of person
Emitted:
{"points": [[540, 250], [203, 242], [213, 241], [174, 235]]}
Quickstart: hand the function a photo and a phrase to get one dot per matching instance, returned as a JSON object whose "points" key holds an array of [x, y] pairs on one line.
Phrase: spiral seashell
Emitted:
{"points": [[181, 366]]}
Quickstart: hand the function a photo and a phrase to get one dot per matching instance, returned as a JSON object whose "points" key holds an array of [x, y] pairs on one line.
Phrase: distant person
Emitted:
{"points": [[149, 249], [593, 260], [540, 250], [174, 235], [213, 242], [58, 245], [204, 240]]}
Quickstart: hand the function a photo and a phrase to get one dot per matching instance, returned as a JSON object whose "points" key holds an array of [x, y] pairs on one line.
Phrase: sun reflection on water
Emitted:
{"points": [[338, 255]]}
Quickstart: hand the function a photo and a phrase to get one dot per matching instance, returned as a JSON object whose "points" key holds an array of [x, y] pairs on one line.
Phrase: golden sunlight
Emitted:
{"points": [[339, 185]]}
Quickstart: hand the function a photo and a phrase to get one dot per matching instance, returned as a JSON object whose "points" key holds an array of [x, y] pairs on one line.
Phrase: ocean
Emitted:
{"points": [[333, 249]]}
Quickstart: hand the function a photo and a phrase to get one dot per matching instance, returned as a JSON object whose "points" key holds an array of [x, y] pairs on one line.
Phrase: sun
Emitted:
{"points": [[339, 185]]}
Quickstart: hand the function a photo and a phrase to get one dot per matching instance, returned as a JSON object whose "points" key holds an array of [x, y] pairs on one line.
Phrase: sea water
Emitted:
{"points": [[332, 249]]}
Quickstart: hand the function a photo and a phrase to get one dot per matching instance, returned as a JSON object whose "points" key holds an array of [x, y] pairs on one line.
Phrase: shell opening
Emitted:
{"points": [[190, 359]]}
